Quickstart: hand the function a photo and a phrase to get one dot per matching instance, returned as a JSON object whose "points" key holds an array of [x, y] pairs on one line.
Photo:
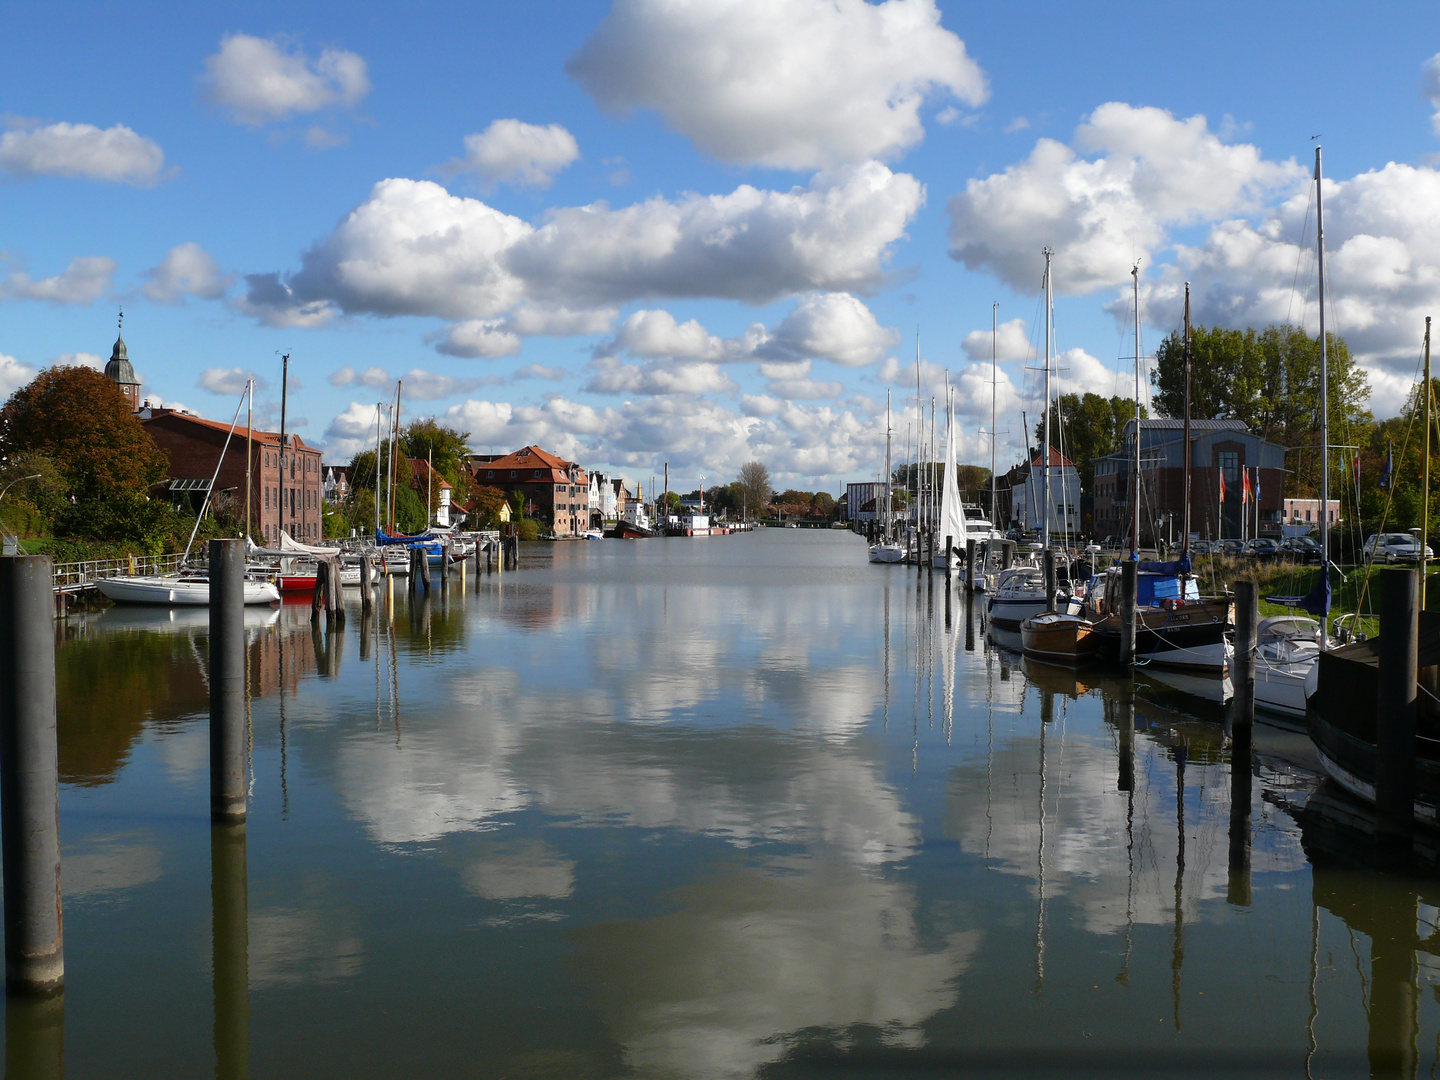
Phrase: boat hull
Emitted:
{"points": [[1008, 613], [176, 592], [1190, 636], [1059, 639], [887, 553]]}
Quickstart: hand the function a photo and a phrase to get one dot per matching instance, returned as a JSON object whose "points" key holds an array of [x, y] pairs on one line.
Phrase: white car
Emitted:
{"points": [[1395, 547]]}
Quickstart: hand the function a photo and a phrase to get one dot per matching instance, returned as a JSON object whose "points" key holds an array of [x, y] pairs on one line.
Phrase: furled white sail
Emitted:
{"points": [[952, 514]]}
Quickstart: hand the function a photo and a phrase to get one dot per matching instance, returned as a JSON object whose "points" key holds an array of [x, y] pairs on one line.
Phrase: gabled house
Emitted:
{"points": [[556, 492]]}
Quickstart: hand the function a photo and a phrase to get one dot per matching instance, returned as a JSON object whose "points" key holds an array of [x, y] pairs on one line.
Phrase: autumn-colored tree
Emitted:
{"points": [[78, 418], [486, 509]]}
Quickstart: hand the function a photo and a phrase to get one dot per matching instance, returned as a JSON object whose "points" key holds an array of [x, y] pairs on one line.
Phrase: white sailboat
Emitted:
{"points": [[1289, 647], [952, 515], [187, 588], [886, 550], [1019, 592]]}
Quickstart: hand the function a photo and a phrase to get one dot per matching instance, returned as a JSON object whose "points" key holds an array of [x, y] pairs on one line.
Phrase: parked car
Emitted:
{"points": [[1201, 547], [1395, 547], [1262, 547], [1230, 547], [1304, 549]]}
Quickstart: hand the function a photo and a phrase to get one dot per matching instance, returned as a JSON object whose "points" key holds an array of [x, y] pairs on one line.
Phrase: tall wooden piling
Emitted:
{"points": [[949, 556], [1129, 572], [422, 564], [1242, 729], [29, 778], [1395, 717], [367, 586], [970, 564], [230, 949], [445, 568], [1048, 562], [227, 680]]}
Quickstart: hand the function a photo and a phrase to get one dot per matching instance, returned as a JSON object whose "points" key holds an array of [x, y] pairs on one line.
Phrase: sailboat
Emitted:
{"points": [[1019, 592], [188, 588], [1174, 625], [886, 550], [952, 516]]}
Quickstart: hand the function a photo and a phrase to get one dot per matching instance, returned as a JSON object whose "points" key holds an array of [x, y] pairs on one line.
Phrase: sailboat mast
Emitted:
{"points": [[1185, 537], [994, 311], [1324, 384], [1425, 504], [1135, 485], [378, 490], [284, 388], [249, 448], [1045, 415], [395, 452], [889, 498]]}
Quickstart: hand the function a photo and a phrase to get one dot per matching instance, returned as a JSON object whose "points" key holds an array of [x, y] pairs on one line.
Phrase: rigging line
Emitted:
{"points": [[1302, 252]]}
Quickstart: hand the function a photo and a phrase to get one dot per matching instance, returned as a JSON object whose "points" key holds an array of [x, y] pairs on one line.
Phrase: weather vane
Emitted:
{"points": [[122, 316]]}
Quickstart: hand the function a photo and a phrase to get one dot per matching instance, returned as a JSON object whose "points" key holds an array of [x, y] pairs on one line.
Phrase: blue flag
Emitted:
{"points": [[1389, 465], [1317, 600]]}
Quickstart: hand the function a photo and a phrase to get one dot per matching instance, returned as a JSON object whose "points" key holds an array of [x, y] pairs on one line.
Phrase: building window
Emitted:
{"points": [[512, 474], [490, 474], [1230, 465], [1307, 515], [537, 472]]}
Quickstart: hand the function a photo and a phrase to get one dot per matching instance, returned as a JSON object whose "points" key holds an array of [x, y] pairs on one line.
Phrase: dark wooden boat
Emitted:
{"points": [[1340, 714], [1058, 638]]}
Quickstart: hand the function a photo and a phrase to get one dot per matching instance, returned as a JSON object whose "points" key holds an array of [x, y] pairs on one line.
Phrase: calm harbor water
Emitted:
{"points": [[713, 808]]}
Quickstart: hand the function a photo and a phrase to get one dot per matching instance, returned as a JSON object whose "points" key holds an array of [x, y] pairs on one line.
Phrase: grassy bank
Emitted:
{"points": [[1358, 590]]}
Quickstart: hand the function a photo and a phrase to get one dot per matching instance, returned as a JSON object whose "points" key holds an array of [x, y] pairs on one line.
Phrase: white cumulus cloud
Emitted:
{"points": [[789, 83], [512, 151], [259, 80], [350, 432], [611, 376], [115, 153], [832, 326], [1011, 341], [228, 381], [348, 376], [1151, 172], [85, 280], [478, 339], [412, 248], [187, 270], [13, 375]]}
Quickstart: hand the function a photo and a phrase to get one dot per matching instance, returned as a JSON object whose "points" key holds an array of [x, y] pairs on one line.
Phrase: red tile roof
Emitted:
{"points": [[271, 437], [527, 460], [1057, 459]]}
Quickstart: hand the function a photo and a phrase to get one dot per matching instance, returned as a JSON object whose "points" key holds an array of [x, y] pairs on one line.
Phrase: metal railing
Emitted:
{"points": [[74, 576]]}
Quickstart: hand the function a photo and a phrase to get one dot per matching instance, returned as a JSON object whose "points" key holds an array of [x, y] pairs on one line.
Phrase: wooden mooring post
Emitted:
{"points": [[1395, 716], [29, 778], [970, 564], [1242, 731], [227, 680], [1129, 572], [1048, 564], [949, 556]]}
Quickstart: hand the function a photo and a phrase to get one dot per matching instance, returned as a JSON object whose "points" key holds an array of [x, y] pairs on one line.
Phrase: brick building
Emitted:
{"points": [[194, 444], [1217, 447], [556, 492]]}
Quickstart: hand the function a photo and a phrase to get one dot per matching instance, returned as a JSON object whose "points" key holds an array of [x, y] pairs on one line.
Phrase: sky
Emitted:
{"points": [[701, 233]]}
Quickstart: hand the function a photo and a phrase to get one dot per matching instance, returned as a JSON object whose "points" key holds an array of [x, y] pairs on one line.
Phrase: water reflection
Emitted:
{"points": [[704, 810], [750, 963]]}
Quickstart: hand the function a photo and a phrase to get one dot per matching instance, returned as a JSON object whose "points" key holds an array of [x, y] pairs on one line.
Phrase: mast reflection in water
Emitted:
{"points": [[717, 808]]}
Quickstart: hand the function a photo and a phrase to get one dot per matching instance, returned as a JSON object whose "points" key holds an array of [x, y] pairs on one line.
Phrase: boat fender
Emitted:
{"points": [[1169, 603]]}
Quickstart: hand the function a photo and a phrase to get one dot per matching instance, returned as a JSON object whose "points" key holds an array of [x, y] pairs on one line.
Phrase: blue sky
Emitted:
{"points": [[702, 233]]}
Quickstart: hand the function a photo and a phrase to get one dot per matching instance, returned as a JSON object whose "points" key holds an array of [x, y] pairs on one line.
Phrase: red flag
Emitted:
{"points": [[1245, 485], [1222, 485]]}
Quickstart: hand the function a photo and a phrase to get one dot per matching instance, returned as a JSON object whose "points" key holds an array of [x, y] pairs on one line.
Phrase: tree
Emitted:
{"points": [[78, 418], [755, 483], [488, 502], [1086, 428], [822, 503], [446, 448], [1270, 381]]}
